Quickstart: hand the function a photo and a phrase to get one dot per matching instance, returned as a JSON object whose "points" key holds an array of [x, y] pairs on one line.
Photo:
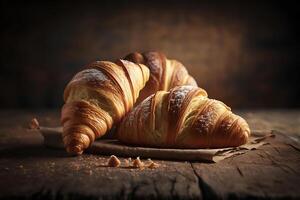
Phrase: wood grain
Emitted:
{"points": [[273, 171]]}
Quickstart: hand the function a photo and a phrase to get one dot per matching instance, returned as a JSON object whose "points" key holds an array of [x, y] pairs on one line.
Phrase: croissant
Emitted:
{"points": [[164, 73], [97, 97], [184, 117]]}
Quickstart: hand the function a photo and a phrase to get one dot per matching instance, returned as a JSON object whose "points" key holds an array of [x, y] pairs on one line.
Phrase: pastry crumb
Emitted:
{"points": [[137, 163], [127, 162], [113, 161], [153, 165], [34, 124]]}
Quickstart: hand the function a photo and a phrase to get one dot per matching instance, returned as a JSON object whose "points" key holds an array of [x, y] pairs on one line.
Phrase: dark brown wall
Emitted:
{"points": [[246, 55]]}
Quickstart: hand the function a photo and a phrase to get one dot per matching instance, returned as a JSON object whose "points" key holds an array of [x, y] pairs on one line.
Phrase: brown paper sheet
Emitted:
{"points": [[52, 139]]}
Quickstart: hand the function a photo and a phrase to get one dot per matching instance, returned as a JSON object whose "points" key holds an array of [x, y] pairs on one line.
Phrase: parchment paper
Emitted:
{"points": [[52, 139]]}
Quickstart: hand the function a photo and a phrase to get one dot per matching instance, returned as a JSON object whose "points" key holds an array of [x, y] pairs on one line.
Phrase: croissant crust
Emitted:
{"points": [[96, 98], [184, 117], [164, 73]]}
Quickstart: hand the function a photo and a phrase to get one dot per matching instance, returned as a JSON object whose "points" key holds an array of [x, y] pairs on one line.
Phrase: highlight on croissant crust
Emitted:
{"points": [[164, 73], [97, 97], [184, 117]]}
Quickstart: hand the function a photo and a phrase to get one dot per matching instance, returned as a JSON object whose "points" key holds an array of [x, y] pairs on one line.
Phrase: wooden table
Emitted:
{"points": [[30, 170]]}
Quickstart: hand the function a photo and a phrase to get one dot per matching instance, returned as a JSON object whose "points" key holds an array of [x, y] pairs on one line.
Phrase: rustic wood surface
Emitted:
{"points": [[29, 170]]}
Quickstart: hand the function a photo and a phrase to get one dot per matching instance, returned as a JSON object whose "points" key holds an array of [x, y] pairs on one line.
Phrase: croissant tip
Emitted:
{"points": [[76, 151]]}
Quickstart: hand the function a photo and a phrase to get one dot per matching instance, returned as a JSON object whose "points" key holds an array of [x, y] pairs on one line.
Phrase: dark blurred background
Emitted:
{"points": [[245, 54]]}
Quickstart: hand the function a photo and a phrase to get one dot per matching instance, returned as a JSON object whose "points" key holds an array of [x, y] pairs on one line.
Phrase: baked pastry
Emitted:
{"points": [[184, 117], [96, 98], [164, 73]]}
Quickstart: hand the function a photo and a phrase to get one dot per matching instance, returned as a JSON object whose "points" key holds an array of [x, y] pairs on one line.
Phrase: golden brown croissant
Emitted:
{"points": [[97, 97], [164, 73], [183, 118]]}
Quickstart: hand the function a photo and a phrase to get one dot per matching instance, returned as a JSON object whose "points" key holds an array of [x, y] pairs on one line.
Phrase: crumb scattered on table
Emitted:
{"points": [[34, 124], [137, 163], [128, 162], [153, 165], [113, 161]]}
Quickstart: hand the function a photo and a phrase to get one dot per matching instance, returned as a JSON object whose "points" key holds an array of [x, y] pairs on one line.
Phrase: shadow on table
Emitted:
{"points": [[31, 151]]}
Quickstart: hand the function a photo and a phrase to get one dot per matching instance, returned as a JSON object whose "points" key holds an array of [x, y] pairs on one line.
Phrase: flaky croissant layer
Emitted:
{"points": [[164, 73], [184, 117], [97, 97]]}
